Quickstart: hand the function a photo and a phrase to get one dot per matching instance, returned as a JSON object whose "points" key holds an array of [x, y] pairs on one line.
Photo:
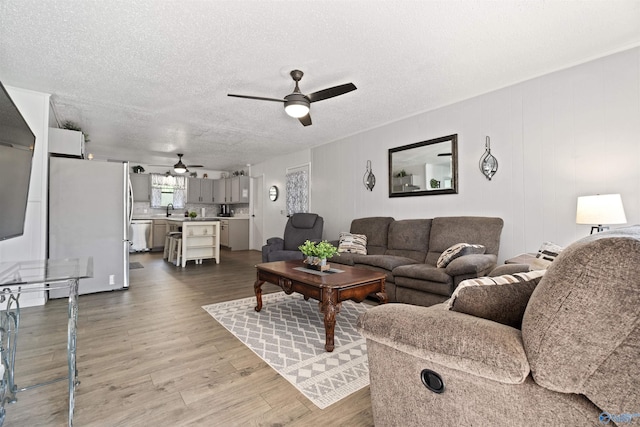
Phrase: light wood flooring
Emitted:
{"points": [[151, 356]]}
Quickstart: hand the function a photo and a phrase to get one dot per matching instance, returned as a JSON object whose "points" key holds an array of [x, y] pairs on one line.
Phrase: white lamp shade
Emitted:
{"points": [[600, 209], [296, 104], [297, 110], [179, 167]]}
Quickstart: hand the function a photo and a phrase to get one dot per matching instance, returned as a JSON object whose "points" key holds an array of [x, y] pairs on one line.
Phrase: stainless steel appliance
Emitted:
{"points": [[140, 234], [89, 215]]}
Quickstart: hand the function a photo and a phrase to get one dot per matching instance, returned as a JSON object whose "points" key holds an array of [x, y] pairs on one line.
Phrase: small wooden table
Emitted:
{"points": [[330, 289]]}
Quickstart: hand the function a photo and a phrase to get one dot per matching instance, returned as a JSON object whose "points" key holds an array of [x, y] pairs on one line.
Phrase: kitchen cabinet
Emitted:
{"points": [[199, 190], [406, 183], [141, 185], [239, 189], [67, 142], [159, 234], [224, 232], [231, 190], [234, 233], [219, 190]]}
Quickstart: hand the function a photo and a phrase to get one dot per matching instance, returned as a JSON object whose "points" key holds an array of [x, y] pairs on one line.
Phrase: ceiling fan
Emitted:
{"points": [[297, 104], [181, 167]]}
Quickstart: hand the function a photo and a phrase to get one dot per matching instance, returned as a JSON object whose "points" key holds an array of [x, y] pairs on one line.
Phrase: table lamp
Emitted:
{"points": [[600, 209]]}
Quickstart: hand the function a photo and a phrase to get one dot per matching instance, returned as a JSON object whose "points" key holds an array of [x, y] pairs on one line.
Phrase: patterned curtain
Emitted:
{"points": [[179, 198], [177, 183], [297, 192], [157, 180]]}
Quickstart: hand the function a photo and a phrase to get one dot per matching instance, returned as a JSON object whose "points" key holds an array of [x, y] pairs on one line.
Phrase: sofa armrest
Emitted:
{"points": [[466, 343], [275, 243], [475, 265], [509, 269]]}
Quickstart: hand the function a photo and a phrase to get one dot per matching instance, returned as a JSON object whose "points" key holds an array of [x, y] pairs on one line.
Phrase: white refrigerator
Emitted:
{"points": [[90, 207]]}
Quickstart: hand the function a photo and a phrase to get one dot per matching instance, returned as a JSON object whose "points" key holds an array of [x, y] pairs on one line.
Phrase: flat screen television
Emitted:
{"points": [[17, 144]]}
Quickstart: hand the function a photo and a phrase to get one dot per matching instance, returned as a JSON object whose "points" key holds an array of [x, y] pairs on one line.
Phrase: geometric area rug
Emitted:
{"points": [[288, 333]]}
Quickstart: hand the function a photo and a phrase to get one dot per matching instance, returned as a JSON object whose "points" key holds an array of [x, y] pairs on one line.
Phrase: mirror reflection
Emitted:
{"points": [[424, 168]]}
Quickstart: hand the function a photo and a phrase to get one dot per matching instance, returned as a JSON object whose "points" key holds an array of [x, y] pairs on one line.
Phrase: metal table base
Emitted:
{"points": [[56, 278]]}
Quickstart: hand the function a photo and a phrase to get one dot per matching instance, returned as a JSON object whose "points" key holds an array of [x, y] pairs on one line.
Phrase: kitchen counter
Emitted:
{"points": [[185, 219], [233, 218]]}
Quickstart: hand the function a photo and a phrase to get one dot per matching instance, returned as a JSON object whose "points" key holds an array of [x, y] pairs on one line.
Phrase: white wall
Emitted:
{"points": [[570, 133], [275, 213], [34, 107]]}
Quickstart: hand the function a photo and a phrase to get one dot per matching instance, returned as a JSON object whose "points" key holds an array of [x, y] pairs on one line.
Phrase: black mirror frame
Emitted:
{"points": [[454, 173]]}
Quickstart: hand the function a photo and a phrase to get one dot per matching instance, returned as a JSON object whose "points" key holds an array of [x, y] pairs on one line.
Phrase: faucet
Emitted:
{"points": [[169, 204]]}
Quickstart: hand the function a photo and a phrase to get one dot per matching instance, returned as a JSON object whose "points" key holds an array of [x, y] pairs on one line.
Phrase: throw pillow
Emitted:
{"points": [[549, 251], [456, 251], [352, 243], [502, 299]]}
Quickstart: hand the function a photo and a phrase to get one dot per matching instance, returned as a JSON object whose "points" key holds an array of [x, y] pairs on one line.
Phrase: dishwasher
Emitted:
{"points": [[140, 235]]}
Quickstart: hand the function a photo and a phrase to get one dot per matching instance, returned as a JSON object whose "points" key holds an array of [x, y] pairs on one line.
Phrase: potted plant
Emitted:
{"points": [[318, 253], [325, 250], [308, 249], [193, 215]]}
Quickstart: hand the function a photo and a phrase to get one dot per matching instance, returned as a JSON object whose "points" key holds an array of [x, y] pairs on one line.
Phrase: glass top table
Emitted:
{"points": [[16, 273], [21, 277]]}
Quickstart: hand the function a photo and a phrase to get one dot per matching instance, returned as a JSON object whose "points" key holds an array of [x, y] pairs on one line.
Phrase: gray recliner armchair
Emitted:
{"points": [[299, 228], [573, 362]]}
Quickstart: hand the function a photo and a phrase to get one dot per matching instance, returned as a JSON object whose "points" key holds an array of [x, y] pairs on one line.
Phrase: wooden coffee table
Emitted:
{"points": [[330, 289]]}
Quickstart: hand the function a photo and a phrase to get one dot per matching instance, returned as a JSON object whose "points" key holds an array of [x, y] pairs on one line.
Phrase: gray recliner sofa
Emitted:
{"points": [[300, 227], [407, 252], [574, 362]]}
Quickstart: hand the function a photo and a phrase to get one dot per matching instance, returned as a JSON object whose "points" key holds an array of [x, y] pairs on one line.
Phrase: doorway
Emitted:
{"points": [[256, 226]]}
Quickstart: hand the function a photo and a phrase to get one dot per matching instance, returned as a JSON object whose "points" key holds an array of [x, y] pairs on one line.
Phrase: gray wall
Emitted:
{"points": [[274, 171], [569, 133]]}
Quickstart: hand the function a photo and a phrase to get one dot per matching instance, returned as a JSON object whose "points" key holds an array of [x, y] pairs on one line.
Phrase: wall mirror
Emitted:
{"points": [[273, 193], [424, 168]]}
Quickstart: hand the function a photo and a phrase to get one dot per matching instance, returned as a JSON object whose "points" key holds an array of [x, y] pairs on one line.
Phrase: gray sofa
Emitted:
{"points": [[407, 251], [574, 362]]}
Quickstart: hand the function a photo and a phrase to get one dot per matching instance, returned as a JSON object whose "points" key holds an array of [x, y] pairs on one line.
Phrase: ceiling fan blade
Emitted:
{"points": [[195, 166], [259, 98], [331, 92], [306, 120]]}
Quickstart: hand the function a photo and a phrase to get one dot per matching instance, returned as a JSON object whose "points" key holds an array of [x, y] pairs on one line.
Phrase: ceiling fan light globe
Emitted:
{"points": [[179, 167], [296, 105], [297, 111]]}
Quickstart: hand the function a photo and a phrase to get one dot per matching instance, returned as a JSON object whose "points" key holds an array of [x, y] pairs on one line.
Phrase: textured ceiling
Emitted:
{"points": [[148, 79]]}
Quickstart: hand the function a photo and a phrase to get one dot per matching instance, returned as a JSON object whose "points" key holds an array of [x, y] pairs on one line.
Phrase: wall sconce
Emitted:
{"points": [[600, 209], [369, 179], [488, 163]]}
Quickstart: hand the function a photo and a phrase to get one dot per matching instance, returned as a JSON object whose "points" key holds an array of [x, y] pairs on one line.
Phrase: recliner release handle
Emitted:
{"points": [[432, 380]]}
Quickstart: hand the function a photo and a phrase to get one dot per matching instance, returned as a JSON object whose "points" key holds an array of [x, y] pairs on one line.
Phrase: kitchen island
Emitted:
{"points": [[200, 238]]}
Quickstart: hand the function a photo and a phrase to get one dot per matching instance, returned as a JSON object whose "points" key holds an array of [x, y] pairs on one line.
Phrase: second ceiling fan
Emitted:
{"points": [[181, 167], [297, 104]]}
